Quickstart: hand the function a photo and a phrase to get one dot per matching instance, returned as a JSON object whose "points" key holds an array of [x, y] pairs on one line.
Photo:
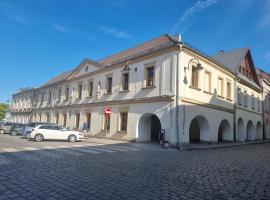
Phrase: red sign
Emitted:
{"points": [[108, 111]]}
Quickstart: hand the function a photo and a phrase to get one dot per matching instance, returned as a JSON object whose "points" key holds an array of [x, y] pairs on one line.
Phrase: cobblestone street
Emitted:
{"points": [[87, 170]]}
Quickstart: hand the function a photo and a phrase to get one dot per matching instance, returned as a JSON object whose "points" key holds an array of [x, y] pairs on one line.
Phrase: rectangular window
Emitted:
{"points": [[90, 88], [229, 90], [66, 93], [109, 85], [88, 120], [245, 99], [123, 121], [240, 96], [195, 77], [207, 81], [57, 118], [77, 121], [220, 87], [79, 95], [258, 104], [47, 117], [253, 102], [59, 94], [64, 123], [42, 98], [125, 81], [150, 76], [49, 97]]}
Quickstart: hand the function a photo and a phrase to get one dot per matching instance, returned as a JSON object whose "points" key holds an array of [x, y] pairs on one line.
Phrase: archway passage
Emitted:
{"points": [[259, 131], [198, 130], [241, 133], [225, 132], [149, 128], [250, 131]]}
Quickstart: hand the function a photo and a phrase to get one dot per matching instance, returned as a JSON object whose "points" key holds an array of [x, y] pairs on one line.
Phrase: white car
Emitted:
{"points": [[54, 132]]}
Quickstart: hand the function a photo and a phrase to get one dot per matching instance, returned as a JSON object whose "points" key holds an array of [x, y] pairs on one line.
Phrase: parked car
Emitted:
{"points": [[17, 129], [5, 128], [54, 132], [28, 128]]}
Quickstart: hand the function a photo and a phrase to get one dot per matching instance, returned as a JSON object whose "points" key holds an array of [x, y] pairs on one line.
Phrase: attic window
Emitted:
{"points": [[86, 69]]}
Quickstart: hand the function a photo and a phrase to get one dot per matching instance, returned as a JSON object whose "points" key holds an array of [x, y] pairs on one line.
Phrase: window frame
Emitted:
{"points": [[220, 93], [209, 91]]}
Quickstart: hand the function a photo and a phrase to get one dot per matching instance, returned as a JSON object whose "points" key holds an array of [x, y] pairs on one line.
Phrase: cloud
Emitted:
{"points": [[115, 32], [10, 12], [61, 28], [186, 20]]}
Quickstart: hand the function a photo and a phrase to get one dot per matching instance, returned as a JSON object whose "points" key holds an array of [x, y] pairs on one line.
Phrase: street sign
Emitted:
{"points": [[108, 111]]}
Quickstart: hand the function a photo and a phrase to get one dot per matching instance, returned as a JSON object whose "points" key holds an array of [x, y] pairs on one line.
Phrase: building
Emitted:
{"points": [[265, 82], [21, 109], [248, 106], [162, 85]]}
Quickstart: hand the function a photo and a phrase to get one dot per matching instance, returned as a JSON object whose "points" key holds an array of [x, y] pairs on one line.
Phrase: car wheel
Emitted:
{"points": [[14, 133], [72, 138], [28, 135], [2, 131], [38, 138]]}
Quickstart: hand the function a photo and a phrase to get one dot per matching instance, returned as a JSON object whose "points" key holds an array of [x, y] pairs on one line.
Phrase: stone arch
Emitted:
{"points": [[241, 133], [250, 131], [149, 128], [259, 131], [225, 131], [199, 129]]}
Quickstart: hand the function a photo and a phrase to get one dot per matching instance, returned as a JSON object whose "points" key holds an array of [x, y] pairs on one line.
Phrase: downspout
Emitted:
{"points": [[177, 44], [177, 98], [237, 79]]}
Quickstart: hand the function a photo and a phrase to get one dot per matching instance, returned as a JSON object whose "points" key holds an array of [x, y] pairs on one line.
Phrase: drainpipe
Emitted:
{"points": [[237, 79], [177, 44], [177, 99]]}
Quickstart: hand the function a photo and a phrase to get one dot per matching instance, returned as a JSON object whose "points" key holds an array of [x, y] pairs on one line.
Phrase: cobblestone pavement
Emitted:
{"points": [[86, 170]]}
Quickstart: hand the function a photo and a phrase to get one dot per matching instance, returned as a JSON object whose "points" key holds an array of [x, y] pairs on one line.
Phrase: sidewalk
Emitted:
{"points": [[192, 147], [105, 141]]}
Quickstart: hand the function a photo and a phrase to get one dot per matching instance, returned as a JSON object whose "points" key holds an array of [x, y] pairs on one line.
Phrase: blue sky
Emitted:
{"points": [[39, 39]]}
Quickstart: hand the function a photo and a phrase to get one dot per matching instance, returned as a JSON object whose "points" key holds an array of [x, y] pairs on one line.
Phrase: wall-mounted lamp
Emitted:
{"points": [[199, 65]]}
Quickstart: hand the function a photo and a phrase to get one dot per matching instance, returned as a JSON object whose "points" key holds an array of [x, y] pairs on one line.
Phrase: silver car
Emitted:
{"points": [[5, 128]]}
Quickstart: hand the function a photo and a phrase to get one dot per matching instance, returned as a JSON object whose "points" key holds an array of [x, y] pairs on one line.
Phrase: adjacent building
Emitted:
{"points": [[160, 86], [265, 83], [21, 109]]}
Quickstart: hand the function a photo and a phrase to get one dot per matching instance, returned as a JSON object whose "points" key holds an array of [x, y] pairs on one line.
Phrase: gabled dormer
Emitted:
{"points": [[240, 61], [85, 67]]}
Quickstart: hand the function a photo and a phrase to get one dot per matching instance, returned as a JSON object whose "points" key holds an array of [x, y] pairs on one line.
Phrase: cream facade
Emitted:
{"points": [[162, 85], [21, 109], [265, 82]]}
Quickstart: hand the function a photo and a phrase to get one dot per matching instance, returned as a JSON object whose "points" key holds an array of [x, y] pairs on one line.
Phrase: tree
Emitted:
{"points": [[3, 109]]}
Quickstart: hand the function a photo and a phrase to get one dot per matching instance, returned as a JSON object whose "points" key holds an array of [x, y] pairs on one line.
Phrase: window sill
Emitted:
{"points": [[149, 87], [195, 88], [206, 92], [108, 93], [229, 99], [123, 91], [220, 97], [122, 132]]}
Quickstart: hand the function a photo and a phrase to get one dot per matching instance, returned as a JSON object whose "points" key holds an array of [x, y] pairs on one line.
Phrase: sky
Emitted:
{"points": [[39, 39]]}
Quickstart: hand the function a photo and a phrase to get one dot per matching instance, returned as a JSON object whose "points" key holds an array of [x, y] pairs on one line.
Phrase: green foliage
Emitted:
{"points": [[3, 109]]}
